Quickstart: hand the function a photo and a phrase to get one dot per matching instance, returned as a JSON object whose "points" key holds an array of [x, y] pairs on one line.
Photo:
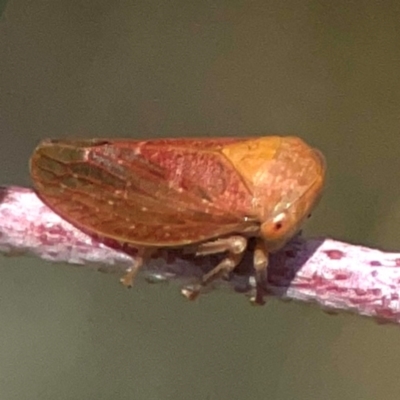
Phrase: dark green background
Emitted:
{"points": [[326, 70]]}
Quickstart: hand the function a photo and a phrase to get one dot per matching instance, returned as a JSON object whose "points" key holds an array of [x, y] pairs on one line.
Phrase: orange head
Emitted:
{"points": [[286, 177]]}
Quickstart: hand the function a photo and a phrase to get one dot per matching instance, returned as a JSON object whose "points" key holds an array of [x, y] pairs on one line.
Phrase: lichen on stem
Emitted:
{"points": [[336, 276]]}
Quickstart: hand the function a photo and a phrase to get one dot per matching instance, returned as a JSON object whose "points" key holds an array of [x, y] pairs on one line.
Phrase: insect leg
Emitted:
{"points": [[142, 256], [234, 245], [260, 262]]}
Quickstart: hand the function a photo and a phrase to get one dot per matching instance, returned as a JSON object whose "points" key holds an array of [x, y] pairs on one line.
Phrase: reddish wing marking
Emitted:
{"points": [[156, 193]]}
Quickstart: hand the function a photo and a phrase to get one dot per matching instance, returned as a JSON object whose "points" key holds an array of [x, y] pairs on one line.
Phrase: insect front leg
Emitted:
{"points": [[260, 262]]}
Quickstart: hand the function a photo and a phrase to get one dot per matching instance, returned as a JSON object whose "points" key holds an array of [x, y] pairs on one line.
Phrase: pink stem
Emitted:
{"points": [[337, 276]]}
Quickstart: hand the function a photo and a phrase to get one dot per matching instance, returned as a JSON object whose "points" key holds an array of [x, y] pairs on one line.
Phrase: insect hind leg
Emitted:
{"points": [[142, 256]]}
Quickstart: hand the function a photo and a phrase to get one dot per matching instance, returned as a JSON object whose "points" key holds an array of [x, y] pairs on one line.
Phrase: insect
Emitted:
{"points": [[208, 195]]}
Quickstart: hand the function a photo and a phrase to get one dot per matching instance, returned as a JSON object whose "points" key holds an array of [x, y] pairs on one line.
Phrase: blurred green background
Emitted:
{"points": [[325, 70]]}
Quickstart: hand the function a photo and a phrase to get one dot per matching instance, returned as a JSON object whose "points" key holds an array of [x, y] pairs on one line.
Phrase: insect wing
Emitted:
{"points": [[156, 193]]}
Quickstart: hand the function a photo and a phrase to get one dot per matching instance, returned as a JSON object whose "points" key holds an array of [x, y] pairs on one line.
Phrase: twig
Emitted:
{"points": [[335, 275]]}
